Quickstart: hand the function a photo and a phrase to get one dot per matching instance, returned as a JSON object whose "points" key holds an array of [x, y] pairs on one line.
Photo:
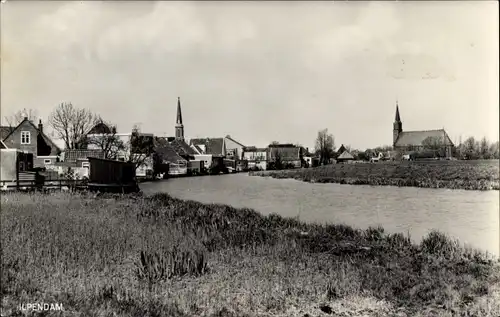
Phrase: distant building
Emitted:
{"points": [[345, 157], [416, 141], [256, 157], [30, 138], [224, 147], [287, 153]]}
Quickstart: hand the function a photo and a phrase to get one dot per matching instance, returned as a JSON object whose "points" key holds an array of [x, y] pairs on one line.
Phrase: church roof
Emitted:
{"points": [[415, 138]]}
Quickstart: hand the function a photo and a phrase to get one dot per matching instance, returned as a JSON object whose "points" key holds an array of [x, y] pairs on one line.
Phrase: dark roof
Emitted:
{"points": [[100, 128], [214, 146], [415, 138], [397, 119], [284, 145], [341, 149], [179, 113], [290, 153], [254, 149], [47, 140], [182, 148], [71, 155], [5, 131], [166, 151], [2, 145]]}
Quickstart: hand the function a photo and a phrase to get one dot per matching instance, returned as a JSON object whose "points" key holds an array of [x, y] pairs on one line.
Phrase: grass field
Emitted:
{"points": [[471, 175], [161, 256]]}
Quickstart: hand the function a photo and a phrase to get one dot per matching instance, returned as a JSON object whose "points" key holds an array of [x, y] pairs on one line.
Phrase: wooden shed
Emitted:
{"points": [[112, 176]]}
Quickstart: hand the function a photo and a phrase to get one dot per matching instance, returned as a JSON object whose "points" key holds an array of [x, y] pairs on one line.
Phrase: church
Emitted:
{"points": [[414, 141]]}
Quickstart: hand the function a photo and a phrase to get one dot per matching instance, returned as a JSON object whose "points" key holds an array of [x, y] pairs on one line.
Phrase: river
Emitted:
{"points": [[470, 216]]}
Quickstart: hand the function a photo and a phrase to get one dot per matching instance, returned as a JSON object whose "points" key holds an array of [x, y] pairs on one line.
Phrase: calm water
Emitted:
{"points": [[471, 216]]}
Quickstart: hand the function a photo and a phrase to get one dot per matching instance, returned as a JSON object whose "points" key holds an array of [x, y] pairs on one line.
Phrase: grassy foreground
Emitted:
{"points": [[469, 175], [161, 256]]}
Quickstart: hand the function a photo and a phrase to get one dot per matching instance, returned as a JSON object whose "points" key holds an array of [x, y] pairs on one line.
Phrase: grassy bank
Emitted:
{"points": [[160, 256], [469, 175]]}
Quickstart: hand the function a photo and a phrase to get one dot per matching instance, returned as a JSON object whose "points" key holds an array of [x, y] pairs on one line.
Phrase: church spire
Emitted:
{"points": [[397, 127], [179, 113], [179, 127], [398, 119]]}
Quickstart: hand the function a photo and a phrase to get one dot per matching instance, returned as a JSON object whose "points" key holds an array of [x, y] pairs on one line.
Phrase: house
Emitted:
{"points": [[411, 141], [256, 157], [288, 154], [30, 138], [77, 161], [345, 157], [208, 146], [135, 146], [233, 149], [167, 155], [2, 145], [208, 150]]}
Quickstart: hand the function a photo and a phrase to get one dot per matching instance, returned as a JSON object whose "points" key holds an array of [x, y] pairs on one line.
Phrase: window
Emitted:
{"points": [[47, 161], [25, 137]]}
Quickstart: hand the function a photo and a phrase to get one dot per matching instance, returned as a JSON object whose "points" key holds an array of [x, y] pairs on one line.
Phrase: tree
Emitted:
{"points": [[71, 124], [274, 143], [484, 148], [470, 148], [139, 149], [494, 150], [109, 143], [432, 143], [325, 146]]}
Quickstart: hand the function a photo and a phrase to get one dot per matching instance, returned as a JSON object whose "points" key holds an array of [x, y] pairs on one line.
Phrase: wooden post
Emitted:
{"points": [[17, 170]]}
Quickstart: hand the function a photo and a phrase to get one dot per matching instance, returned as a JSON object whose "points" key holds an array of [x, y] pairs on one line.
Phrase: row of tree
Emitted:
{"points": [[72, 124], [470, 149]]}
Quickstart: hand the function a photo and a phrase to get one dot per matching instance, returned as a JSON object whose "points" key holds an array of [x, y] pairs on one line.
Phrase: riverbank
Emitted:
{"points": [[468, 175], [98, 255]]}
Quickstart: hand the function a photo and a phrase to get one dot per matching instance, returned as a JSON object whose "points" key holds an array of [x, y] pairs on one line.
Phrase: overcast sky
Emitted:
{"points": [[259, 71]]}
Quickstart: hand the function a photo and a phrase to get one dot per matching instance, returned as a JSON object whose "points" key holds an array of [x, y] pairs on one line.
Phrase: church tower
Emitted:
{"points": [[179, 127], [397, 127]]}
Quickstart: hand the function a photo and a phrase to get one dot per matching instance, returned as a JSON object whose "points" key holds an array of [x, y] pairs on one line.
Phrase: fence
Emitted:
{"points": [[37, 184]]}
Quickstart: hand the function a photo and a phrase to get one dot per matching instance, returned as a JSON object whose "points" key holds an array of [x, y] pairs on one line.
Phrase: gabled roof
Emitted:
{"points": [[72, 155], [230, 138], [5, 131], [44, 136], [2, 145], [182, 148], [214, 146], [415, 138], [341, 149], [166, 151], [345, 156]]}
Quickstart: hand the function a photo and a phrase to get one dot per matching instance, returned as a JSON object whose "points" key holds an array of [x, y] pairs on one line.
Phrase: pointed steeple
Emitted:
{"points": [[397, 113], [179, 127], [179, 113], [397, 127]]}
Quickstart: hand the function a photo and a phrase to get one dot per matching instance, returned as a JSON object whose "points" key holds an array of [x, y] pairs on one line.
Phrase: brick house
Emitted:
{"points": [[30, 138]]}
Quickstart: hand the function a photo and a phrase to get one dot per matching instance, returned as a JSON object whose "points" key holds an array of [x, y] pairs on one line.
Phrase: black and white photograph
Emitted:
{"points": [[249, 158]]}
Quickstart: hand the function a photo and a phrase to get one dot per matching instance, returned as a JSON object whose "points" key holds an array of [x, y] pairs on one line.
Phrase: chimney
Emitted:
{"points": [[40, 126]]}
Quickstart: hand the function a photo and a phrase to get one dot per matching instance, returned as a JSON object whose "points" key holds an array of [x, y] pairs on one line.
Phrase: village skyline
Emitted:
{"points": [[247, 72]]}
